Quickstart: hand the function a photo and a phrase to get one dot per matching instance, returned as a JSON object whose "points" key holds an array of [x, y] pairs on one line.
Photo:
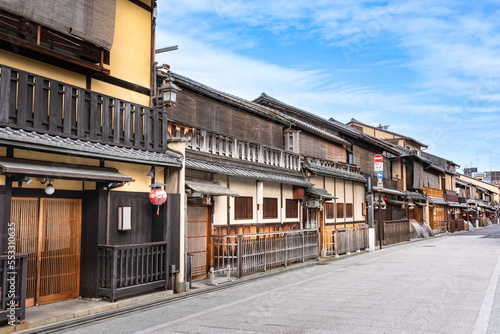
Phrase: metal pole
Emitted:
{"points": [[380, 219], [467, 215], [371, 217], [477, 216]]}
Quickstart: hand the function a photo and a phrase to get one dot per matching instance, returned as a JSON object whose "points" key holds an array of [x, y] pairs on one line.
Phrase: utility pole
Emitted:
{"points": [[477, 216], [371, 225]]}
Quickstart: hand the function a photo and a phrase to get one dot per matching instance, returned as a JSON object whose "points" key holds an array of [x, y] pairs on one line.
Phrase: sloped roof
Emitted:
{"points": [[45, 142], [247, 173], [338, 173], [416, 141]]}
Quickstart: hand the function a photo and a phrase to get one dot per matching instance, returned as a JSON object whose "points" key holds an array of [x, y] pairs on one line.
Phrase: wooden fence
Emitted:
{"points": [[456, 225], [392, 232], [247, 253], [35, 103], [13, 287], [346, 240], [132, 269]]}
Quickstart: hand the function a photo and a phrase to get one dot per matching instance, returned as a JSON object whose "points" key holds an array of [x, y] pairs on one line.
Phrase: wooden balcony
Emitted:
{"points": [[227, 146], [35, 103], [433, 192], [334, 165]]}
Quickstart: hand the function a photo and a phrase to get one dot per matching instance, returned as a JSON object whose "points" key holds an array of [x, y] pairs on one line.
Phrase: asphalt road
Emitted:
{"points": [[447, 284]]}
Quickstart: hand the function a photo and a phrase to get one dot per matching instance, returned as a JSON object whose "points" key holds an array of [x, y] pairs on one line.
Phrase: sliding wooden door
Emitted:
{"points": [[49, 231]]}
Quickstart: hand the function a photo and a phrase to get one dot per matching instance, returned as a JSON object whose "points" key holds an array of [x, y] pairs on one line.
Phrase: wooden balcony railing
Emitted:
{"points": [[333, 164], [433, 192], [35, 103], [210, 142], [247, 253], [132, 269], [13, 287]]}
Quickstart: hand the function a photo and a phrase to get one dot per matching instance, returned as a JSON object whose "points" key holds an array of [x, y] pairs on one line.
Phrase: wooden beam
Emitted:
{"points": [[26, 48], [142, 5], [121, 83]]}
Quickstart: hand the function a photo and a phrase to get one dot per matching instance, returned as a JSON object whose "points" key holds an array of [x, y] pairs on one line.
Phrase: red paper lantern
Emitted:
{"points": [[158, 196]]}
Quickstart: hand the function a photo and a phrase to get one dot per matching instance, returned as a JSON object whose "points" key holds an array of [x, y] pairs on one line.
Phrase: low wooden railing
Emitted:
{"points": [[210, 142], [247, 253], [345, 240], [132, 269], [13, 287], [35, 103], [456, 225], [440, 226], [393, 232]]}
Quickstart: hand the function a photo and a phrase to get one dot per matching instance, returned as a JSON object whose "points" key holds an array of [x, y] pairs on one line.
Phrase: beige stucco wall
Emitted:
{"points": [[129, 57], [359, 199]]}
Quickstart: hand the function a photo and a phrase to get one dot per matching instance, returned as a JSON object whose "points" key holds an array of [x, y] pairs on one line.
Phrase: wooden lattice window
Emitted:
{"points": [[270, 208], [340, 210], [243, 208], [292, 208], [348, 210], [330, 210]]}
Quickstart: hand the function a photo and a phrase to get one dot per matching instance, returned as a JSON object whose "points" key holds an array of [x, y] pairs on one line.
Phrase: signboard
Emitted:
{"points": [[380, 175], [379, 166], [378, 158], [380, 184]]}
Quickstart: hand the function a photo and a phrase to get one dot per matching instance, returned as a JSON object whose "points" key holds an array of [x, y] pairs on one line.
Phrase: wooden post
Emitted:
{"points": [[113, 275], [265, 253], [286, 249], [240, 256]]}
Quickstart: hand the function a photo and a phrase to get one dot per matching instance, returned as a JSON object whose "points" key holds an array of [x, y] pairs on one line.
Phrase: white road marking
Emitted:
{"points": [[483, 318]]}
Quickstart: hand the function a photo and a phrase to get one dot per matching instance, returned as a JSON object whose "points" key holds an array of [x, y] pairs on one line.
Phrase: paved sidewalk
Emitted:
{"points": [[51, 314]]}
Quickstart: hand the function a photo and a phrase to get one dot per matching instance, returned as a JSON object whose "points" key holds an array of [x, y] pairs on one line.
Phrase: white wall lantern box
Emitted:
{"points": [[124, 218]]}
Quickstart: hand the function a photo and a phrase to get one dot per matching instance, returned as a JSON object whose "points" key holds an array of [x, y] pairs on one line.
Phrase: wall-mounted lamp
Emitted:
{"points": [[49, 189], [26, 179], [151, 173], [168, 91]]}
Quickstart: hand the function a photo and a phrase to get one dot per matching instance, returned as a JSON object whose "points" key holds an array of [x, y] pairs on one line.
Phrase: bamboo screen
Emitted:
{"points": [[49, 230], [197, 238], [24, 214], [60, 248], [270, 208]]}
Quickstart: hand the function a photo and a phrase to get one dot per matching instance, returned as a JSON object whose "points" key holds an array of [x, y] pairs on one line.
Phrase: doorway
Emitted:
{"points": [[49, 230], [198, 239]]}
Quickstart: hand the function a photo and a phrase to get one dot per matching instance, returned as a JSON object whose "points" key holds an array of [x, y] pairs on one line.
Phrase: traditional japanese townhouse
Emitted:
{"points": [[339, 168], [80, 147], [240, 178], [404, 173], [482, 199]]}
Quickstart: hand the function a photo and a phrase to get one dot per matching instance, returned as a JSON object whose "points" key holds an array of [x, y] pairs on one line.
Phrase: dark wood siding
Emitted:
{"points": [[348, 210], [340, 210], [243, 208], [270, 208], [200, 111], [292, 208], [363, 157], [330, 210], [319, 148]]}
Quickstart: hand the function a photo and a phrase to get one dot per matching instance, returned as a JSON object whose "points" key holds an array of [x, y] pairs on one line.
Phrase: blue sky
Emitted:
{"points": [[429, 69]]}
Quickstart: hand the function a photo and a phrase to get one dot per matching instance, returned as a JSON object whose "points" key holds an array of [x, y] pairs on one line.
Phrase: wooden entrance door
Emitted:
{"points": [[48, 230], [198, 239]]}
